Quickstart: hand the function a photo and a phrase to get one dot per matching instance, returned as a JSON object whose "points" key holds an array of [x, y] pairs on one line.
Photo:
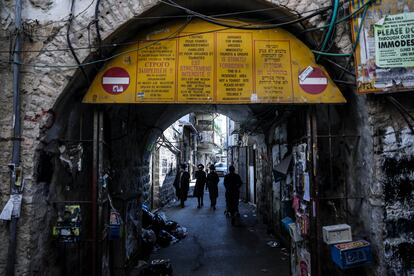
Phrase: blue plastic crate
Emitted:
{"points": [[285, 222], [351, 254]]}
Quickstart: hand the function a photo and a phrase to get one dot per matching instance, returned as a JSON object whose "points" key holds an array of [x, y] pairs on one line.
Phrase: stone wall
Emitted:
{"points": [[167, 190], [392, 192]]}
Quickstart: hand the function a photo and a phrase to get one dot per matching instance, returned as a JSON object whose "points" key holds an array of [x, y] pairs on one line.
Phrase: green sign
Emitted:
{"points": [[394, 41]]}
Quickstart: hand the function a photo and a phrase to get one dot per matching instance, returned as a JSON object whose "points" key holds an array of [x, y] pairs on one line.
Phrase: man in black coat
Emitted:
{"points": [[212, 185], [182, 184], [201, 180], [232, 182]]}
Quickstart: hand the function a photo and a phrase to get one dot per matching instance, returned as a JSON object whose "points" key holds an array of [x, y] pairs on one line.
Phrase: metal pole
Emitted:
{"points": [[100, 241], [311, 218], [316, 187], [11, 255], [311, 126], [94, 188]]}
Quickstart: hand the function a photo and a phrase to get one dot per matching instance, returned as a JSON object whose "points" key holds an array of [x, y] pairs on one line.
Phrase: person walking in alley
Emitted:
{"points": [[232, 182], [212, 185], [182, 184], [201, 180]]}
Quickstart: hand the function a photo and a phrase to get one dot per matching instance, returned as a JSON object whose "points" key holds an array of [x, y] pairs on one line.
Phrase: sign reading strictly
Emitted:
{"points": [[394, 41], [198, 62]]}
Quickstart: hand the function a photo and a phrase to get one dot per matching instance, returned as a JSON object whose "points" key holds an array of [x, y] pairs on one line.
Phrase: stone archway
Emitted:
{"points": [[60, 90]]}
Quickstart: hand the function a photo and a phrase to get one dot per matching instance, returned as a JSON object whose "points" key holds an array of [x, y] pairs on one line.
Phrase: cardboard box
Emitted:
{"points": [[337, 233]]}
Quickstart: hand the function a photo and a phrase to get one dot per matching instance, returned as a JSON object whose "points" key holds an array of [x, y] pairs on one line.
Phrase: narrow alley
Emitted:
{"points": [[213, 247]]}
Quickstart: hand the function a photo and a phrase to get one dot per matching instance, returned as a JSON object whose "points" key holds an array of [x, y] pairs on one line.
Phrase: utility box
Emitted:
{"points": [[351, 254], [337, 233]]}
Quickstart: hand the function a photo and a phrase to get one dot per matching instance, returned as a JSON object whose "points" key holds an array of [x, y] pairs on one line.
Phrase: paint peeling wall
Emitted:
{"points": [[394, 147]]}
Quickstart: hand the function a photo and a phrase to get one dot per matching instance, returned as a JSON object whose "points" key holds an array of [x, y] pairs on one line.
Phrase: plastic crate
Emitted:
{"points": [[285, 222], [351, 254]]}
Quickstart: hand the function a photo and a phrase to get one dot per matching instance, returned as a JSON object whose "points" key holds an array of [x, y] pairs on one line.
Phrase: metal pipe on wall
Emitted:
{"points": [[11, 255], [94, 196]]}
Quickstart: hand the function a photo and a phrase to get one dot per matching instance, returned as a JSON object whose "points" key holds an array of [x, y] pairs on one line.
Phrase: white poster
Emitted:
{"points": [[12, 207], [306, 188]]}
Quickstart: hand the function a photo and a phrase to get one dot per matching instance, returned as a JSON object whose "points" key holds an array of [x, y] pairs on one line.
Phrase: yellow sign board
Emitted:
{"points": [[234, 67], [273, 72], [199, 62], [196, 68]]}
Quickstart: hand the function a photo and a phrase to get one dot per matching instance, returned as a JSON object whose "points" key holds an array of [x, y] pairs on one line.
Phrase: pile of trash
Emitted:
{"points": [[158, 231], [158, 267]]}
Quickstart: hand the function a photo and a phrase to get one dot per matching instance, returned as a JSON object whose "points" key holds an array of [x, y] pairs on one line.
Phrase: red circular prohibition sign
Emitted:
{"points": [[115, 80], [315, 82]]}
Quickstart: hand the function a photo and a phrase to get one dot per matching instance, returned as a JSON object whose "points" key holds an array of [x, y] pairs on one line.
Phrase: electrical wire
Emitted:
{"points": [[403, 112], [128, 43], [260, 27], [340, 20], [98, 32], [173, 17], [70, 43], [340, 67], [354, 46], [330, 28], [331, 54], [153, 42], [229, 26], [61, 21], [133, 50]]}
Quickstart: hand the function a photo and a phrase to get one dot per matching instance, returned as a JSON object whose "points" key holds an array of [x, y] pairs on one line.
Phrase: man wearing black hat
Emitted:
{"points": [[212, 185], [232, 182], [201, 180], [182, 184]]}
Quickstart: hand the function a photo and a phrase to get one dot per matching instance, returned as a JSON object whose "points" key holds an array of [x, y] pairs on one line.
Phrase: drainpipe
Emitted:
{"points": [[11, 257]]}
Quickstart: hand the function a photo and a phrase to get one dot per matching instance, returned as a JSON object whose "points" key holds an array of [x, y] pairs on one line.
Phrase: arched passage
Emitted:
{"points": [[128, 132]]}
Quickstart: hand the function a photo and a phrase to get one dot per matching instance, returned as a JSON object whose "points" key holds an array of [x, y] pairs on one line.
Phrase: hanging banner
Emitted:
{"points": [[384, 56], [199, 62]]}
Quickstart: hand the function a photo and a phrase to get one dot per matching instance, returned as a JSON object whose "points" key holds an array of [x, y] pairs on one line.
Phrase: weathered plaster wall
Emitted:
{"points": [[393, 192]]}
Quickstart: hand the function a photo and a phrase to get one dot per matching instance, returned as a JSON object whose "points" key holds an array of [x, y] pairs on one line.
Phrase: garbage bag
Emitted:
{"points": [[164, 238], [148, 240], [158, 223], [170, 226], [161, 267], [161, 215], [180, 232], [147, 218], [149, 236], [273, 244]]}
